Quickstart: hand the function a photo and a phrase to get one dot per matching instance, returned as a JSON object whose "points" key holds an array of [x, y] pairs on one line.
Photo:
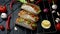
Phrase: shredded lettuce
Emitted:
{"points": [[28, 22], [39, 11], [21, 20], [34, 25]]}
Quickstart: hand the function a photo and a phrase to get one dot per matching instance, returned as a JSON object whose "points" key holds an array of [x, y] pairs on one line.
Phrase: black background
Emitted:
{"points": [[22, 30]]}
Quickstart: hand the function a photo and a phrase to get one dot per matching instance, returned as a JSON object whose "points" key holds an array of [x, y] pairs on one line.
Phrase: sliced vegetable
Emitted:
{"points": [[3, 9], [1, 27]]}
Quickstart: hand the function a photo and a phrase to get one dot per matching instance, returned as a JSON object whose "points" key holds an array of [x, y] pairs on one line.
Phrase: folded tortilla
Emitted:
{"points": [[25, 23], [26, 15], [31, 8]]}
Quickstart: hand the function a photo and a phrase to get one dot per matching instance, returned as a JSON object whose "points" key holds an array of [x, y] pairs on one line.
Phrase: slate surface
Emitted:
{"points": [[22, 30]]}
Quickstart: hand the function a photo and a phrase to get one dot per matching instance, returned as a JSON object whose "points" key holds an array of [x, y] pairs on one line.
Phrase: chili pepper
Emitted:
{"points": [[49, 1], [58, 26], [8, 22], [38, 1], [28, 0], [1, 27], [11, 4]]}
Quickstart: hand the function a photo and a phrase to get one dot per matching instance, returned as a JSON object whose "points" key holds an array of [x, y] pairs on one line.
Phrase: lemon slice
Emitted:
{"points": [[46, 24]]}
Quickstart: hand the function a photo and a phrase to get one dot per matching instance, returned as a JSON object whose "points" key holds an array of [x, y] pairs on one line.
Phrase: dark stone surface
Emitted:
{"points": [[22, 30]]}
